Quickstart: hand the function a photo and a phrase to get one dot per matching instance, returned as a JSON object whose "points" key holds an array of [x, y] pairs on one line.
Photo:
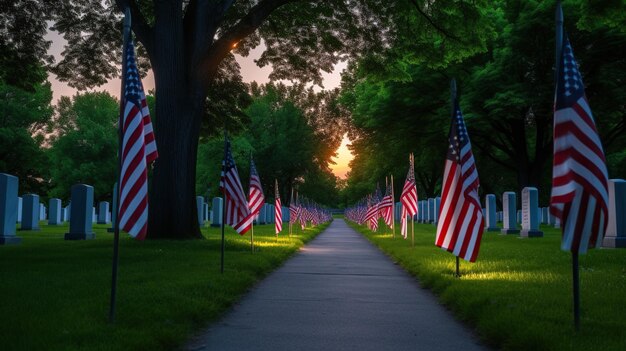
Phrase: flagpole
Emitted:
{"points": [[393, 206], [557, 70], [223, 208], [453, 97], [276, 196], [290, 219], [458, 273], [116, 229]]}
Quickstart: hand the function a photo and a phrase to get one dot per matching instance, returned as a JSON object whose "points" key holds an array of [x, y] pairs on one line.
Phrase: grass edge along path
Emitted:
{"points": [[54, 294], [518, 296]]}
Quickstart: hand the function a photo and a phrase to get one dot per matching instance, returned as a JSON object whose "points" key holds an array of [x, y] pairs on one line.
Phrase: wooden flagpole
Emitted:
{"points": [[223, 209], [116, 229], [412, 216]]}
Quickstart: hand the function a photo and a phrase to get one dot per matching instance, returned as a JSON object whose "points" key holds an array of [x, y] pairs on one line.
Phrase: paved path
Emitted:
{"points": [[339, 293]]}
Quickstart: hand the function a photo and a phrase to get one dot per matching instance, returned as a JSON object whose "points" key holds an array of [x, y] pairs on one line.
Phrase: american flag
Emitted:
{"points": [[371, 216], [237, 212], [579, 175], [138, 150], [386, 207], [255, 198], [278, 210], [460, 227], [408, 198], [293, 208]]}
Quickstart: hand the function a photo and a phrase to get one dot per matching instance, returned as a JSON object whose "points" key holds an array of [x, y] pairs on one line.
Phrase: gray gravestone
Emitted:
{"points": [[200, 209], [103, 212], [285, 214], [54, 217], [437, 209], [270, 214], [206, 212], [81, 219], [420, 211], [490, 211], [42, 212], [509, 209], [544, 215], [431, 210], [65, 215], [398, 213], [94, 215], [113, 209], [218, 209], [262, 215], [19, 209], [30, 212], [616, 227], [530, 213], [8, 209]]}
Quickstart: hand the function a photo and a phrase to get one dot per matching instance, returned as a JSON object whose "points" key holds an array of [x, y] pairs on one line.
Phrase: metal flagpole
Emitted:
{"points": [[557, 70], [453, 97], [116, 229], [223, 204], [393, 207]]}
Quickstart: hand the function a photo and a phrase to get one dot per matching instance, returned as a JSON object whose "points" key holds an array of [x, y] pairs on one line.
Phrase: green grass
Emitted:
{"points": [[54, 294], [518, 295]]}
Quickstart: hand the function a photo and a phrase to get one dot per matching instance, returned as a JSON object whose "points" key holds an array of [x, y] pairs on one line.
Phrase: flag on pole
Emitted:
{"points": [[256, 198], [386, 207], [278, 210], [138, 151], [579, 174], [460, 227], [236, 210], [293, 209], [408, 198]]}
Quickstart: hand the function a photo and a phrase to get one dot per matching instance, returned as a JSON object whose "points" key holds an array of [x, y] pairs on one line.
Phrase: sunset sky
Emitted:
{"points": [[249, 71]]}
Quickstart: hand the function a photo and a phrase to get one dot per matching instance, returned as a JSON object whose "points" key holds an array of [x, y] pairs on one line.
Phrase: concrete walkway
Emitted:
{"points": [[339, 293]]}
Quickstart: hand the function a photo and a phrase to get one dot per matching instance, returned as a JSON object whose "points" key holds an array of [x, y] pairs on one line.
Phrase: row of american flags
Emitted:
{"points": [[240, 211], [579, 185]]}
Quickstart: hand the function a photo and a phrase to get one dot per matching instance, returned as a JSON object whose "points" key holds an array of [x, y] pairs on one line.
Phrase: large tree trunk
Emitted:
{"points": [[173, 212]]}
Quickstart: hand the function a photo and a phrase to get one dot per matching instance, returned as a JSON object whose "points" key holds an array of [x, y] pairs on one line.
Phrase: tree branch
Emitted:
{"points": [[144, 33], [213, 55], [433, 24]]}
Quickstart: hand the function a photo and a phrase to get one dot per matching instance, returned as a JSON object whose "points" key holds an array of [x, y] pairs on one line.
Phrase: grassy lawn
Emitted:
{"points": [[518, 295], [54, 294]]}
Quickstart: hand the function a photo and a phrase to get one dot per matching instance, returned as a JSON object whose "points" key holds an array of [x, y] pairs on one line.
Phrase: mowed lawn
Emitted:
{"points": [[518, 295], [54, 294]]}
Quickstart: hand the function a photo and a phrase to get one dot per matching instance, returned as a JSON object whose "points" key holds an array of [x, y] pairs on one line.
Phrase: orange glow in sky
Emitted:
{"points": [[344, 156]]}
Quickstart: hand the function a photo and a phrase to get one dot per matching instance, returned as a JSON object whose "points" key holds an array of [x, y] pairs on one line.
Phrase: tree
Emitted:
{"points": [[23, 117], [84, 150]]}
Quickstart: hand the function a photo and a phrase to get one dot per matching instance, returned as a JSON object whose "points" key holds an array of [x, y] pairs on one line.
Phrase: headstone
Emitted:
{"points": [[616, 227], [218, 208], [557, 223], [509, 209], [42, 212], [54, 217], [30, 212], [544, 215], [420, 211], [200, 209], [270, 215], [103, 212], [490, 212], [81, 219], [65, 213], [262, 215], [8, 209], [530, 213], [94, 216], [113, 209], [211, 216], [206, 212], [286, 216], [431, 210], [437, 209], [19, 209], [398, 211]]}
